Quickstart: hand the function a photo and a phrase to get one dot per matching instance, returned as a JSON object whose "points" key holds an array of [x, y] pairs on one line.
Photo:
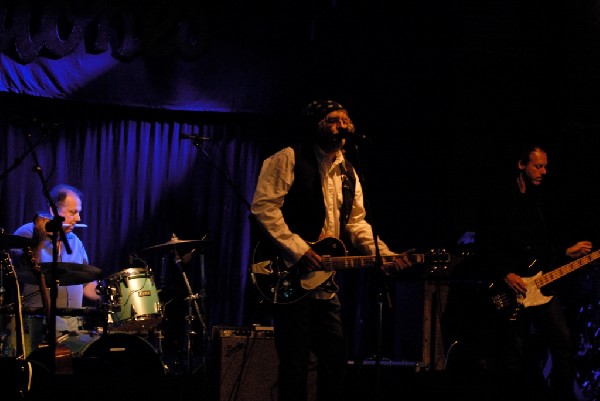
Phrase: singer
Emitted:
{"points": [[306, 193]]}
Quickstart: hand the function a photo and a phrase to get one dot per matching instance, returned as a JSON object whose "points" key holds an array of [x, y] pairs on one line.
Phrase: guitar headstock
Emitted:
{"points": [[5, 262], [440, 262], [30, 259]]}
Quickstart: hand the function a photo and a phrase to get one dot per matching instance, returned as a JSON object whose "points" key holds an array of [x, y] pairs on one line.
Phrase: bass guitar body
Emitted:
{"points": [[508, 303]]}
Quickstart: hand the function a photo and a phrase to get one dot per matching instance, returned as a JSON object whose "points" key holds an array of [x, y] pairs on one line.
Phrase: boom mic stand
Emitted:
{"points": [[382, 291], [197, 141]]}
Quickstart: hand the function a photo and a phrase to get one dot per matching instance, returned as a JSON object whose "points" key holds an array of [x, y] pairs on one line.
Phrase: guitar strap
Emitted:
{"points": [[348, 186]]}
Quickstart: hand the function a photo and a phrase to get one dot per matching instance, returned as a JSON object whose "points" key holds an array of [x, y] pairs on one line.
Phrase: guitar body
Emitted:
{"points": [[533, 296], [16, 372], [505, 301], [61, 359], [281, 285], [509, 304]]}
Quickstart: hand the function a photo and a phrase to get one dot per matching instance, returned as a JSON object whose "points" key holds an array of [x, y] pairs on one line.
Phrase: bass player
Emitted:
{"points": [[516, 239]]}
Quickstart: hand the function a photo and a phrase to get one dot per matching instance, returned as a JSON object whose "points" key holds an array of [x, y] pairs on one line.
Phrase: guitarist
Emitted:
{"points": [[515, 240], [305, 193]]}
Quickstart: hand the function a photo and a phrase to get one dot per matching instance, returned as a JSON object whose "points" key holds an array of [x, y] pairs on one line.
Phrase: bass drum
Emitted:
{"points": [[115, 354]]}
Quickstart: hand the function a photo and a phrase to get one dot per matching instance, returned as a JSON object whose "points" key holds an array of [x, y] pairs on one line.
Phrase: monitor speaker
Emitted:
{"points": [[248, 365]]}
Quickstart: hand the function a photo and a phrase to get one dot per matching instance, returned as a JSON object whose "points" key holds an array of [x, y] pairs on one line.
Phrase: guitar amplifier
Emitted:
{"points": [[248, 364]]}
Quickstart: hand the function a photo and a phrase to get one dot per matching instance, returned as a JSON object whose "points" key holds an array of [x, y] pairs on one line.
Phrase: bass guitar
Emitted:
{"points": [[507, 303], [279, 284]]}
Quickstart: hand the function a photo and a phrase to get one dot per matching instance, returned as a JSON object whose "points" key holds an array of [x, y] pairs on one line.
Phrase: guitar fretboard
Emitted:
{"points": [[566, 269], [359, 262]]}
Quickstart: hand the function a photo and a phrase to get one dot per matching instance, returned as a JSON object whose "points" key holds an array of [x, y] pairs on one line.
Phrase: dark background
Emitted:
{"points": [[444, 90]]}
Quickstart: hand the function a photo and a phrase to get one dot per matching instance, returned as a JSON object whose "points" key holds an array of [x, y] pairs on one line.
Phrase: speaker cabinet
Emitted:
{"points": [[248, 365]]}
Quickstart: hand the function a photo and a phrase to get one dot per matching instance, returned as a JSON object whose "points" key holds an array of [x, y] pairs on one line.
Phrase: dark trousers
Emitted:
{"points": [[524, 345], [305, 326]]}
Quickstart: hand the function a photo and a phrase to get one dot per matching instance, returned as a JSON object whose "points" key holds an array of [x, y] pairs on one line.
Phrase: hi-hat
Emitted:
{"points": [[66, 273], [8, 241], [174, 242]]}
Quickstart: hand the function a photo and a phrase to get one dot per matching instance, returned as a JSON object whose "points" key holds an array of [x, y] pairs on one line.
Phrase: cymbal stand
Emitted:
{"points": [[191, 301]]}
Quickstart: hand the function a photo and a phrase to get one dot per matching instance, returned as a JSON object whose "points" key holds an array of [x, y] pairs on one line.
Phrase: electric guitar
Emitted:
{"points": [[62, 360], [22, 368], [509, 304], [282, 285]]}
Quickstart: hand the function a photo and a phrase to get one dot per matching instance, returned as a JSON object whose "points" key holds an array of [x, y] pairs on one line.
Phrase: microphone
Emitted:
{"points": [[194, 137], [353, 135]]}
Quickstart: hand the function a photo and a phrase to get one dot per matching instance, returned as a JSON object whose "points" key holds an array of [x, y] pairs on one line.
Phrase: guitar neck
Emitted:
{"points": [[566, 269], [360, 262], [45, 295]]}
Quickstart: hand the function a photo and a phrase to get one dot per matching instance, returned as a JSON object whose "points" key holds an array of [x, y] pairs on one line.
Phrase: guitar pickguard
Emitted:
{"points": [[533, 296]]}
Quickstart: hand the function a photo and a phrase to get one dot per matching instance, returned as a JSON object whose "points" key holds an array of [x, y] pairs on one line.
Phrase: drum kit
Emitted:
{"points": [[127, 323]]}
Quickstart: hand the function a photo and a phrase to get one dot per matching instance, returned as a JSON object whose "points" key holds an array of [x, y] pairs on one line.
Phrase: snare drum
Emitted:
{"points": [[133, 298]]}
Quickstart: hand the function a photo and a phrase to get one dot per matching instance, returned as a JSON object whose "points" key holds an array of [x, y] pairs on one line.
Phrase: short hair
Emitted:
{"points": [[60, 192], [524, 152]]}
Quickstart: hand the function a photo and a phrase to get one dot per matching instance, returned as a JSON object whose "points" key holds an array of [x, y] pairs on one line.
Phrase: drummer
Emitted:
{"points": [[68, 204]]}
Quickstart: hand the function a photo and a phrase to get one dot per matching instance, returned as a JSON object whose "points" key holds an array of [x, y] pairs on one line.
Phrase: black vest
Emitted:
{"points": [[304, 207]]}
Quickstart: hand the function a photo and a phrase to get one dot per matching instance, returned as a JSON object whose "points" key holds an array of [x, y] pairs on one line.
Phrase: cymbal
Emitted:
{"points": [[66, 273], [173, 243], [8, 241]]}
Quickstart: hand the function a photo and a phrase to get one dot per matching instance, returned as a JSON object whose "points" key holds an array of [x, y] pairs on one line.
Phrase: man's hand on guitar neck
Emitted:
{"points": [[401, 261], [312, 261], [581, 248]]}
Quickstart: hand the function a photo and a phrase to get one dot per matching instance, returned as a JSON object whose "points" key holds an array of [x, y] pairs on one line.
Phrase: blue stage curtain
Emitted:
{"points": [[142, 184]]}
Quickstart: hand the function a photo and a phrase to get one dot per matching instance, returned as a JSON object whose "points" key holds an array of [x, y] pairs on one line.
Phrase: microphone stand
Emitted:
{"points": [[19, 160], [197, 141], [382, 290], [53, 226]]}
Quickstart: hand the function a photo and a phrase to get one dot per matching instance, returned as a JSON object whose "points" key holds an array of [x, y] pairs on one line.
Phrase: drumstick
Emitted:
{"points": [[80, 225]]}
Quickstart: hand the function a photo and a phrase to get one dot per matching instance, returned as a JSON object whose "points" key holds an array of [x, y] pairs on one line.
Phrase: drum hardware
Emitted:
{"points": [[191, 301], [194, 311]]}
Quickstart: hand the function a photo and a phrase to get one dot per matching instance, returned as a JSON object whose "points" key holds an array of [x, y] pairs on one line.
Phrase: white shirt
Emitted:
{"points": [[276, 178]]}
